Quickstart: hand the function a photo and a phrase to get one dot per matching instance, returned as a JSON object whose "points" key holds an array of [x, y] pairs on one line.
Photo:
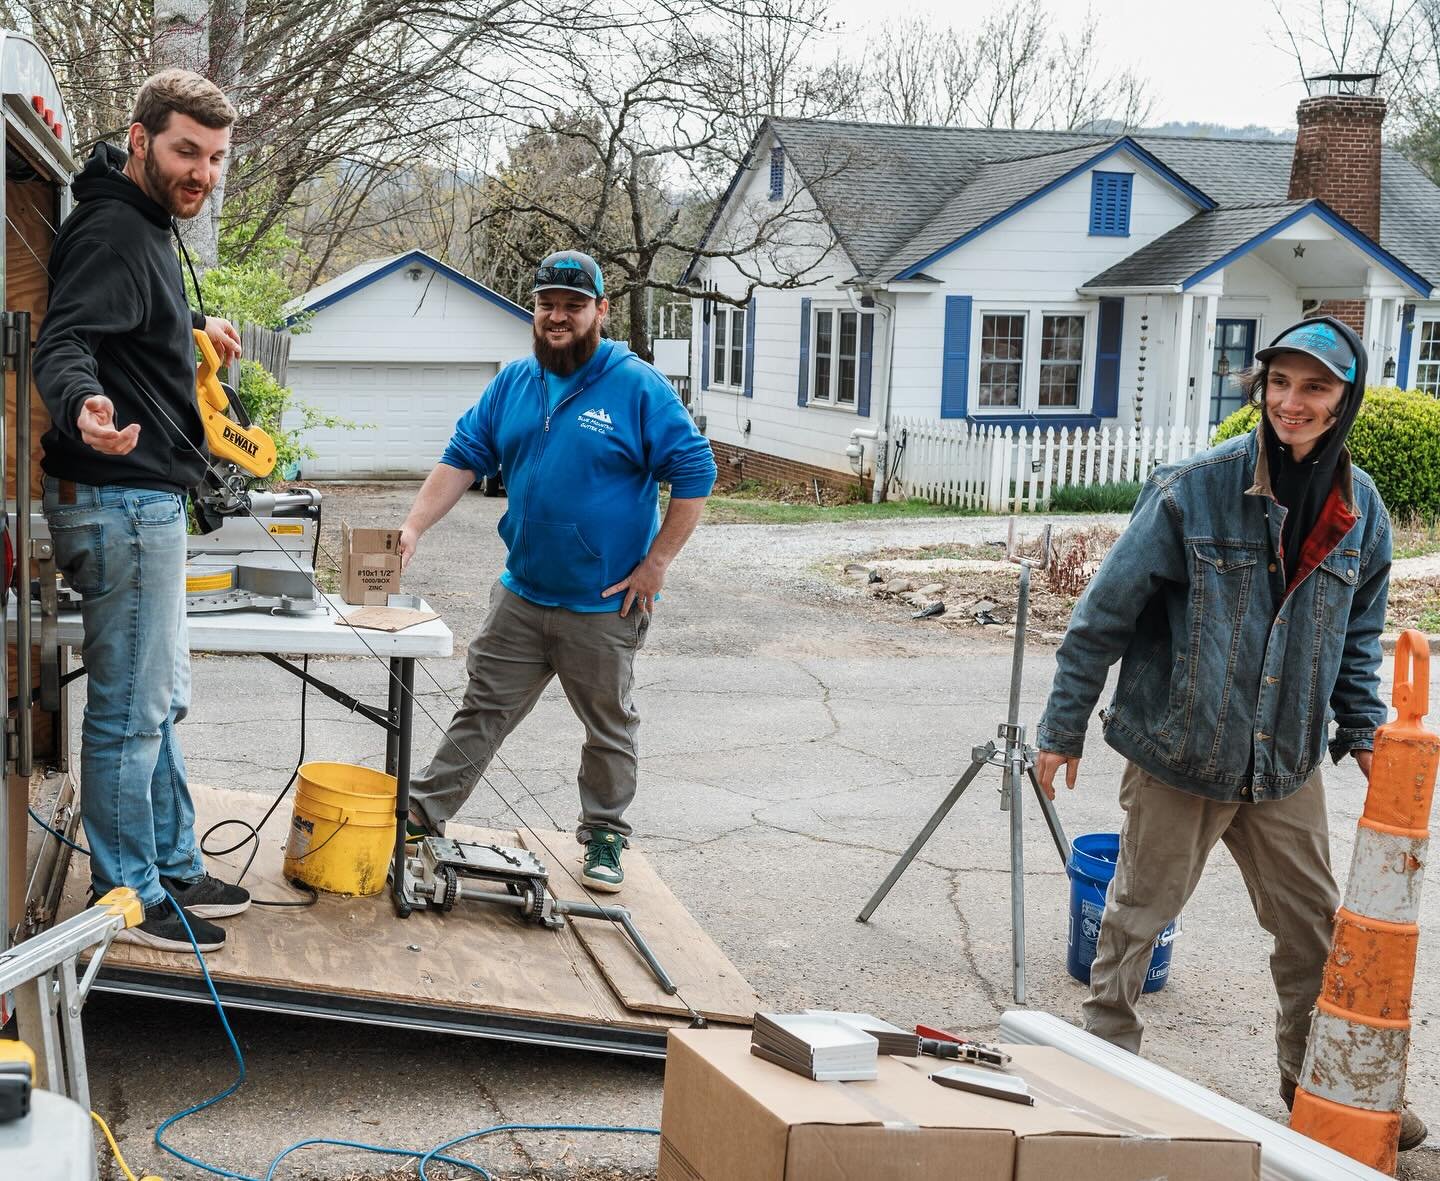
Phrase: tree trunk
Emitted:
{"points": [[639, 329], [227, 47], [182, 39]]}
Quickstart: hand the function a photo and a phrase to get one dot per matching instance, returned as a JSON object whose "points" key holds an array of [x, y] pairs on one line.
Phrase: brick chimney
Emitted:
{"points": [[1337, 159], [1337, 156]]}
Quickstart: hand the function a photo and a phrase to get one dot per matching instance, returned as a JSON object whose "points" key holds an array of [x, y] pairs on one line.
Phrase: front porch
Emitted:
{"points": [[1225, 283]]}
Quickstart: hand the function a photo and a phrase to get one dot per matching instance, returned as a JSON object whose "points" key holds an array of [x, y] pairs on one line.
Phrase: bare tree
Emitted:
{"points": [[1013, 71], [922, 73], [659, 119]]}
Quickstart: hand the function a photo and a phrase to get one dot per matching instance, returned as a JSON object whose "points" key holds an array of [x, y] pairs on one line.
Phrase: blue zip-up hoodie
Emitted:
{"points": [[582, 477]]}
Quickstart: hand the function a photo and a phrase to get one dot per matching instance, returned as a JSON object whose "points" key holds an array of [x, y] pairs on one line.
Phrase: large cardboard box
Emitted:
{"points": [[369, 565], [729, 1116]]}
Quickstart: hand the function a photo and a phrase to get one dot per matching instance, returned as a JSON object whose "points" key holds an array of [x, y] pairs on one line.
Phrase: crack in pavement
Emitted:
{"points": [[997, 996]]}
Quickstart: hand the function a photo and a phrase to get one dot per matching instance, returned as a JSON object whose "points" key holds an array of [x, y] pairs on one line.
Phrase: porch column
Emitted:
{"points": [[1374, 336], [1200, 404], [1180, 361]]}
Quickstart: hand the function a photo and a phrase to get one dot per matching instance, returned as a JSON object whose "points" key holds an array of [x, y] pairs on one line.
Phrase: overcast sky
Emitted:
{"points": [[1213, 62]]}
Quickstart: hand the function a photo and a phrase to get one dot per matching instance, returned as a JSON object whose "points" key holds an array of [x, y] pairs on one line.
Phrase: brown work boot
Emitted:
{"points": [[1413, 1131]]}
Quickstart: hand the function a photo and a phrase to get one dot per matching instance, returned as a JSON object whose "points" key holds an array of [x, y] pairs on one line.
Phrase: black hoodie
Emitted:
{"points": [[119, 324], [1303, 486]]}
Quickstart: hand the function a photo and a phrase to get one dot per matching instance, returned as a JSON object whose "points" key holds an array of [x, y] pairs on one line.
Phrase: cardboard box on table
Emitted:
{"points": [[369, 565], [730, 1116]]}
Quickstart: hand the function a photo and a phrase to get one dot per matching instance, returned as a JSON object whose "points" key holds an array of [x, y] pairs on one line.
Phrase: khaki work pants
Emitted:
{"points": [[1283, 850], [520, 647]]}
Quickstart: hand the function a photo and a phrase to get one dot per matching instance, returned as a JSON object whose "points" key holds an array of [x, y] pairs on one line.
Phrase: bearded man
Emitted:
{"points": [[115, 365], [585, 432]]}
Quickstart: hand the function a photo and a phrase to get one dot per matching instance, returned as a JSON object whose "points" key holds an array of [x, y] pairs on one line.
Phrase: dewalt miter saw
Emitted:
{"points": [[255, 550]]}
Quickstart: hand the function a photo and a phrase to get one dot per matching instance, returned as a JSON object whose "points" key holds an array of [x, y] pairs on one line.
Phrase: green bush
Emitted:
{"points": [[1095, 498], [1396, 439]]}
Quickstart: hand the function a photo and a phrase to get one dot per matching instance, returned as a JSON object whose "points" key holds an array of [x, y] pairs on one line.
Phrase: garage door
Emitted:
{"points": [[409, 412]]}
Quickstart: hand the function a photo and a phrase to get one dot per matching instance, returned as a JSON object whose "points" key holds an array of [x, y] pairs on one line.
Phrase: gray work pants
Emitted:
{"points": [[1283, 850], [521, 646]]}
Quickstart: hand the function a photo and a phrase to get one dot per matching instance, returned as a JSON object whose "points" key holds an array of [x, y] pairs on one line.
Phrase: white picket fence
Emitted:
{"points": [[1005, 469]]}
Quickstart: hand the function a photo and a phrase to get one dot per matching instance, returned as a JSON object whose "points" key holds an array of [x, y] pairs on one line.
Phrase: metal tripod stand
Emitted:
{"points": [[1016, 760]]}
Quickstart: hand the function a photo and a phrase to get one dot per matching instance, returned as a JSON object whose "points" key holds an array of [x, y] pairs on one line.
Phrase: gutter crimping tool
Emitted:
{"points": [[941, 1043]]}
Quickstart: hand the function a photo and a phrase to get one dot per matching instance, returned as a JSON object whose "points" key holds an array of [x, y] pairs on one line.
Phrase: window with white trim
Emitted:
{"points": [[1027, 370], [835, 356], [727, 346], [1427, 357]]}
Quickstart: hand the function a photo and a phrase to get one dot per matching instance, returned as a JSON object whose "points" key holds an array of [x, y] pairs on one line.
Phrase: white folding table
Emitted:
{"points": [[277, 637]]}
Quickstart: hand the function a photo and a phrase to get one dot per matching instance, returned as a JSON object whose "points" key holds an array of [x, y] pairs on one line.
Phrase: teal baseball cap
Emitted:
{"points": [[569, 270], [1315, 339]]}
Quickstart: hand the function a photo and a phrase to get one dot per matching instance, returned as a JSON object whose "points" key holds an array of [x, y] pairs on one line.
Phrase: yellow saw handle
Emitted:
{"points": [[247, 447]]}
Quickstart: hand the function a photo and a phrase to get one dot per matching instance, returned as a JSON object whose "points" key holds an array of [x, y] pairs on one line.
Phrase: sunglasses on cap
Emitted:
{"points": [[572, 277]]}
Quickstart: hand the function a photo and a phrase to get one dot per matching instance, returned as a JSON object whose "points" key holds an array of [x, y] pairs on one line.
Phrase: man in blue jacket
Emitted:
{"points": [[585, 432], [1245, 602]]}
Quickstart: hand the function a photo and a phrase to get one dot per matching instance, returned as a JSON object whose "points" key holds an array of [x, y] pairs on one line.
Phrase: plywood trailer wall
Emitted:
{"points": [[31, 213]]}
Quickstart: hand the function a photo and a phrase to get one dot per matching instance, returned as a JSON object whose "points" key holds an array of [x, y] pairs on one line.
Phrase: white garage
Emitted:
{"points": [[401, 346]]}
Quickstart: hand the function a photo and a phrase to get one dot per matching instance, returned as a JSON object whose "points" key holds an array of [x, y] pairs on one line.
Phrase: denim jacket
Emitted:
{"points": [[1227, 682]]}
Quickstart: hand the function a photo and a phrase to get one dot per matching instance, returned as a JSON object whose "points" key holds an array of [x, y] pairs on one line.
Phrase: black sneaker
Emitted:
{"points": [[208, 897], [163, 930]]}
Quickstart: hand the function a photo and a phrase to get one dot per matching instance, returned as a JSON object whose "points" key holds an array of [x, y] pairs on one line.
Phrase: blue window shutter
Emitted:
{"points": [[867, 353], [1110, 204], [1107, 358], [1407, 334], [955, 371], [750, 348], [804, 389], [777, 173], [707, 310]]}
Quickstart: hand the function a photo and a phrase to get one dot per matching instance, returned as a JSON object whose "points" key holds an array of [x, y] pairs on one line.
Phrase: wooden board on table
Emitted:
{"points": [[386, 619], [703, 973], [476, 957]]}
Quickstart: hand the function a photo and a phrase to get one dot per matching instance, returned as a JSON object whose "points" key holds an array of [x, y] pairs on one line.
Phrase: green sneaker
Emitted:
{"points": [[602, 861]]}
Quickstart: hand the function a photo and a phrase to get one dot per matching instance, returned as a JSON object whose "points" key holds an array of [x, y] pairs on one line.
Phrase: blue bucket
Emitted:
{"points": [[1091, 866]]}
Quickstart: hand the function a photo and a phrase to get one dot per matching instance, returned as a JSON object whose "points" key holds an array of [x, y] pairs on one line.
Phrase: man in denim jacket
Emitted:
{"points": [[1245, 602]]}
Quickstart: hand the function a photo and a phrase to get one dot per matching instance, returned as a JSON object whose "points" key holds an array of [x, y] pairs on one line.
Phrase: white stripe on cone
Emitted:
{"points": [[1354, 1064], [1386, 875]]}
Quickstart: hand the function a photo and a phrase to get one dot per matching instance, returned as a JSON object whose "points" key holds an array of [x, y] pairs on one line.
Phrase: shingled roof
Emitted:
{"points": [[895, 195], [1193, 245]]}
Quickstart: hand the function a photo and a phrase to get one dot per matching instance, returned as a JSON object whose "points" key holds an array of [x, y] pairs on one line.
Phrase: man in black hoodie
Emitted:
{"points": [[115, 364]]}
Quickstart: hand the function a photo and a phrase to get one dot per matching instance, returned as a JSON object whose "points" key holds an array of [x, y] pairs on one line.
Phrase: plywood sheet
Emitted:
{"points": [[706, 978], [476, 957]]}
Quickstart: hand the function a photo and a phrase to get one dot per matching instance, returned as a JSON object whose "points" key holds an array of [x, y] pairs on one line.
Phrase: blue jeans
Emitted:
{"points": [[123, 551]]}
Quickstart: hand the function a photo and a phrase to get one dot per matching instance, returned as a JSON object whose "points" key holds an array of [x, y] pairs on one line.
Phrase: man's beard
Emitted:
{"points": [[165, 191], [565, 360]]}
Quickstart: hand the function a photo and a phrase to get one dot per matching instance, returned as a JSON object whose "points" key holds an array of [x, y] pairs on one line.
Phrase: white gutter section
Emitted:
{"points": [[1284, 1155], [1158, 289]]}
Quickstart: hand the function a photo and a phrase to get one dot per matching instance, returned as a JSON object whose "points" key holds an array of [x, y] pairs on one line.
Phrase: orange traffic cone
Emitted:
{"points": [[1352, 1086]]}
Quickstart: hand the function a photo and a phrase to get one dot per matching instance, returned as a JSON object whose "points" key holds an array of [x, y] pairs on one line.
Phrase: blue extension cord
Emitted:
{"points": [[434, 1154]]}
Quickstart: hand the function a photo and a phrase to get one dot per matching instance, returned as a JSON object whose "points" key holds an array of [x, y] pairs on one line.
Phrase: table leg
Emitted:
{"points": [[397, 758]]}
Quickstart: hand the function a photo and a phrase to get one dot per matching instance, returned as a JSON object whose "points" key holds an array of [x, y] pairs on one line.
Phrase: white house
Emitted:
{"points": [[404, 344], [1035, 278]]}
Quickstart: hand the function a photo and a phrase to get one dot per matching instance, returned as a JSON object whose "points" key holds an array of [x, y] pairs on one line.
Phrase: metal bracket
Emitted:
{"points": [[9, 339]]}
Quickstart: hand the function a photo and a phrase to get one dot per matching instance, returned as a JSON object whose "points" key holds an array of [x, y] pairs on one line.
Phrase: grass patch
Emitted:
{"points": [[1095, 498], [1417, 538], [1414, 603], [741, 510]]}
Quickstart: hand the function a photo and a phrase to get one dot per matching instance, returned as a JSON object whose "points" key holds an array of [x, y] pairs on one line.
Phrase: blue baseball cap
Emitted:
{"points": [[1315, 339], [569, 270]]}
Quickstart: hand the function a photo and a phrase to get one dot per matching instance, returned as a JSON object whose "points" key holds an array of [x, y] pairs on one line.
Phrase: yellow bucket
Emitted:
{"points": [[342, 831]]}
